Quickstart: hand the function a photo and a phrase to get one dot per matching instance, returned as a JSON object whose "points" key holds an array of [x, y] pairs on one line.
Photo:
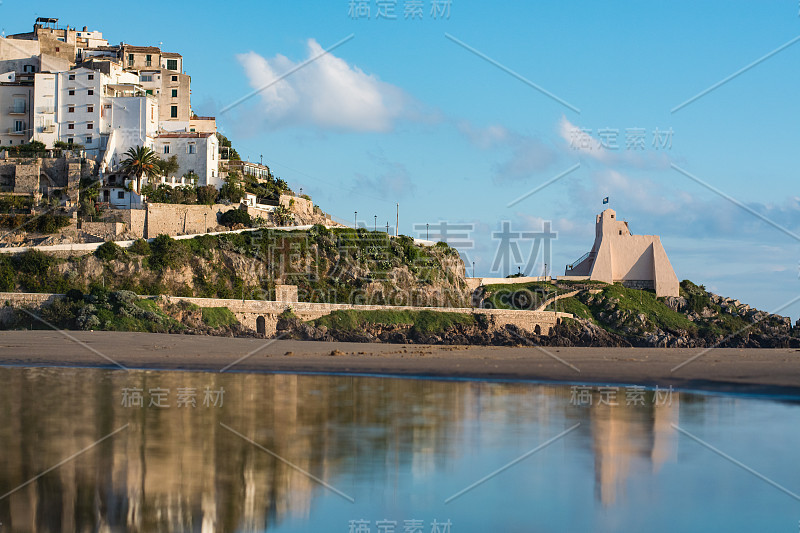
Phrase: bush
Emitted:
{"points": [[7, 272], [216, 317], [235, 216], [140, 247], [206, 195], [166, 252], [34, 262], [74, 295], [109, 251]]}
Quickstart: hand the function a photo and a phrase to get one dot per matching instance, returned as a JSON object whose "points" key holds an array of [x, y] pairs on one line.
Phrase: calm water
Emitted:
{"points": [[384, 452]]}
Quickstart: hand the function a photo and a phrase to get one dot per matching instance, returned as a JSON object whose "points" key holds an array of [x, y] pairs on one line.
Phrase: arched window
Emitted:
{"points": [[261, 327]]}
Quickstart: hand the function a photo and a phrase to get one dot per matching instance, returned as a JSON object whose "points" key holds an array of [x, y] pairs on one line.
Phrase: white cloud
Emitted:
{"points": [[327, 93]]}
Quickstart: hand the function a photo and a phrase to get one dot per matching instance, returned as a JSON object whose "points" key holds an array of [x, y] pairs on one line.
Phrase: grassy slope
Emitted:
{"points": [[422, 321]]}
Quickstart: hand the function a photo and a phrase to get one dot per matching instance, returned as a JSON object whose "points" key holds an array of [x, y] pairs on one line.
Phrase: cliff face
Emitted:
{"points": [[339, 266]]}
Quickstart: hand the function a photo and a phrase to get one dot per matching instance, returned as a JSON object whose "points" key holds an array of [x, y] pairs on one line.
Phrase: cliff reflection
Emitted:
{"points": [[178, 469]]}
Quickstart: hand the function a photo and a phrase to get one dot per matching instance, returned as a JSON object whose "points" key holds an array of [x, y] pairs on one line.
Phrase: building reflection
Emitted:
{"points": [[179, 469], [627, 438]]}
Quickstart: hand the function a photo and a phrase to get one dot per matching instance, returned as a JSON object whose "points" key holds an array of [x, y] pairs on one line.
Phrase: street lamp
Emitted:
{"points": [[376, 222], [426, 232], [355, 220], [473, 269]]}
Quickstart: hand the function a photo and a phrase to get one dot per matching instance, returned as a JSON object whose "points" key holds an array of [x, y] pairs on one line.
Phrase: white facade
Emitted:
{"points": [[196, 152]]}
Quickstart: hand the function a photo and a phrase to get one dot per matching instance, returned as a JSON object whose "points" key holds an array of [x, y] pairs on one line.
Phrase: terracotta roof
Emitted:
{"points": [[131, 48], [171, 54], [192, 135]]}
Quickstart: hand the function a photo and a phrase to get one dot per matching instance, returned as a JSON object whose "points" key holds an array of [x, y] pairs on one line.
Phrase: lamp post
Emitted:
{"points": [[473, 269], [426, 232], [355, 220], [205, 222], [376, 222], [397, 226]]}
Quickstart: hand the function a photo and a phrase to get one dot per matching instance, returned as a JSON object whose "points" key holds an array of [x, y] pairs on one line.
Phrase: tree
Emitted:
{"points": [[206, 195], [232, 189], [141, 161], [282, 215], [169, 166]]}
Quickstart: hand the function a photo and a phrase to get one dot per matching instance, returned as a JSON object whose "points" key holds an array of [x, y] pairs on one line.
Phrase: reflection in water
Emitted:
{"points": [[397, 446]]}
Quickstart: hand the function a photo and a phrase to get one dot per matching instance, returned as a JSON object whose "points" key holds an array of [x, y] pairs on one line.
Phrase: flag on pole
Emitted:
{"points": [[605, 200]]}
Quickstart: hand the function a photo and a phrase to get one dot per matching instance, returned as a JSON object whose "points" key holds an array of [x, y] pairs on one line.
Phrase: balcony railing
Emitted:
{"points": [[17, 110], [50, 128], [15, 131]]}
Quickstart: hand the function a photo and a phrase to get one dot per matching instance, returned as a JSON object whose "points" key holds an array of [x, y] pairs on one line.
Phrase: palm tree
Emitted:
{"points": [[141, 161]]}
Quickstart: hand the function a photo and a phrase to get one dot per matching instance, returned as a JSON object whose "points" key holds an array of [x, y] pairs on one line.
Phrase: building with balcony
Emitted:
{"points": [[246, 168], [15, 113]]}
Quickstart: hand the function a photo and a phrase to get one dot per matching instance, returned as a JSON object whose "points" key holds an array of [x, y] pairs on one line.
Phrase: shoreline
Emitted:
{"points": [[770, 372]]}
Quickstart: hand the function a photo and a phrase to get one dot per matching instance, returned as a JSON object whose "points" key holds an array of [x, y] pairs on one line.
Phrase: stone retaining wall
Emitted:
{"points": [[248, 312]]}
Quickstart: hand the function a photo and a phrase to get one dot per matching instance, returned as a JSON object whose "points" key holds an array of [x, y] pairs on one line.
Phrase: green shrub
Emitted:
{"points": [[216, 317], [7, 274], [166, 252], [140, 247], [109, 251], [34, 262], [235, 216]]}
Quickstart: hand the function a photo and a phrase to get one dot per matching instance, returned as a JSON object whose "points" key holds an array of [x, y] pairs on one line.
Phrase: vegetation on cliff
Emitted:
{"points": [[336, 266]]}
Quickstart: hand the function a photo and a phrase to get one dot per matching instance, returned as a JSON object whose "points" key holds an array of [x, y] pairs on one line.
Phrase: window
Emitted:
{"points": [[144, 78], [173, 111], [90, 76], [58, 49], [148, 60], [130, 60], [172, 64], [89, 126], [192, 148], [19, 125], [72, 92], [71, 109], [70, 140], [72, 76], [28, 68], [174, 93], [90, 108], [174, 78], [88, 139], [166, 148], [91, 92], [120, 195], [70, 126]]}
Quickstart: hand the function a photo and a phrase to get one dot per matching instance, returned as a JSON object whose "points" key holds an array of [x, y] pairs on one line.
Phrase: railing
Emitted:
{"points": [[581, 259], [17, 110], [15, 131]]}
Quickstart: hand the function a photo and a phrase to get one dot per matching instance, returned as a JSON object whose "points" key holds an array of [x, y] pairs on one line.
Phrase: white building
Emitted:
{"points": [[83, 106], [196, 152]]}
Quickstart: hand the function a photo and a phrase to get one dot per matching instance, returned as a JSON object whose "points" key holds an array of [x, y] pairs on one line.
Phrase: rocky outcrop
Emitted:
{"points": [[482, 333]]}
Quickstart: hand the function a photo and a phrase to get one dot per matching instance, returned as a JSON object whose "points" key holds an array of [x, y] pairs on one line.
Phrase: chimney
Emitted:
{"points": [[85, 28]]}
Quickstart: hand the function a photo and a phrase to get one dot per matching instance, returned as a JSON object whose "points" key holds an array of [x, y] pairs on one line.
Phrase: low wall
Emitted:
{"points": [[474, 283], [249, 311]]}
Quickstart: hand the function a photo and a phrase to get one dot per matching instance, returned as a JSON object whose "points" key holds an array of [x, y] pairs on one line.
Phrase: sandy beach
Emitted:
{"points": [[734, 370]]}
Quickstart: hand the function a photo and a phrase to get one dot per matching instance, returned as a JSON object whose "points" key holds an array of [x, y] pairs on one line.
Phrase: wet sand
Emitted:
{"points": [[753, 371]]}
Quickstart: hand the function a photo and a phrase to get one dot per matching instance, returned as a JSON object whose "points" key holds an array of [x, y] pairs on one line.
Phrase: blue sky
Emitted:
{"points": [[400, 113]]}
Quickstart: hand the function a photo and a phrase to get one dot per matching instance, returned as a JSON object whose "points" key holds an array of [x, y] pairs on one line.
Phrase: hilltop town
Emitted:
{"points": [[100, 142], [103, 161]]}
